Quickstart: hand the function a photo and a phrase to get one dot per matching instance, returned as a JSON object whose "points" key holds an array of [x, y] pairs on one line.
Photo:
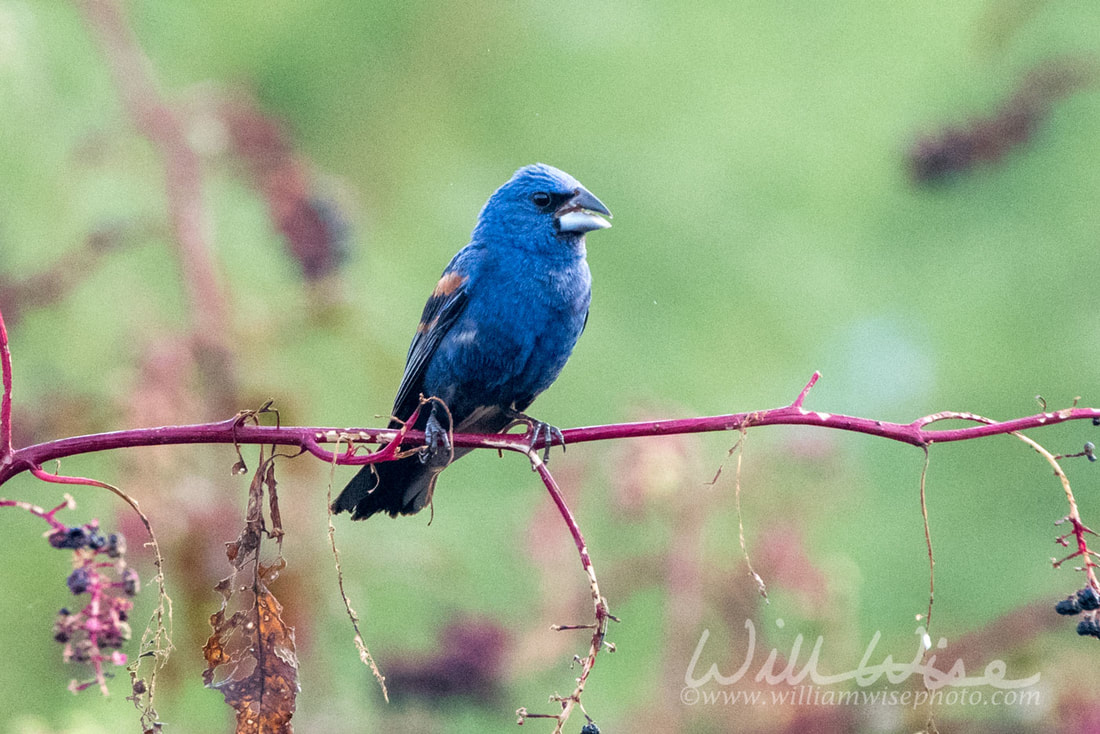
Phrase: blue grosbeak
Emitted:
{"points": [[496, 331]]}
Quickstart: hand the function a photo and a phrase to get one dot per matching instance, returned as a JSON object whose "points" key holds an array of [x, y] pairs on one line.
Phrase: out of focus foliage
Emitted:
{"points": [[758, 159]]}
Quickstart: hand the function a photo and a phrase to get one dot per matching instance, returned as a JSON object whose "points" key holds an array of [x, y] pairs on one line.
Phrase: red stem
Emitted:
{"points": [[156, 119], [309, 439], [566, 514], [599, 606], [5, 398], [45, 476]]}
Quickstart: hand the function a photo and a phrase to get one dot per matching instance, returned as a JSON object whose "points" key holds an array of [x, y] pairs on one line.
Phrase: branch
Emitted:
{"points": [[310, 439], [156, 120], [5, 398], [602, 615]]}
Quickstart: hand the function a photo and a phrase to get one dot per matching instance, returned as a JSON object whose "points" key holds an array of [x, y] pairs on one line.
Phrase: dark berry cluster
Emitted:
{"points": [[87, 536], [100, 571], [71, 630], [1088, 627], [1086, 600]]}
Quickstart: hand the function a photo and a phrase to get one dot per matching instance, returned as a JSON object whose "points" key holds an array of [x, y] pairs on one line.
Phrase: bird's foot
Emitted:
{"points": [[438, 450], [542, 434]]}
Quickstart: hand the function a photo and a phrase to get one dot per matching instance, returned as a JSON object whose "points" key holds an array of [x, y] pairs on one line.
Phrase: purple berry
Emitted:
{"points": [[1067, 606], [131, 583], [71, 538], [1088, 599], [79, 580], [116, 545], [62, 629]]}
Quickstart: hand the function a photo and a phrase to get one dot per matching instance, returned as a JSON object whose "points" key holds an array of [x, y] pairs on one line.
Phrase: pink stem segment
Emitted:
{"points": [[5, 399], [310, 439]]}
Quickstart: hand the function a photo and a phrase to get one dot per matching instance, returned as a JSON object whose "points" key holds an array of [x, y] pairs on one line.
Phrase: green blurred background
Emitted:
{"points": [[767, 224]]}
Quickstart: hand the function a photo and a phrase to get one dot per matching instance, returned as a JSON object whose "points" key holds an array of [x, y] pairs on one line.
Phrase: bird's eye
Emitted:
{"points": [[541, 199]]}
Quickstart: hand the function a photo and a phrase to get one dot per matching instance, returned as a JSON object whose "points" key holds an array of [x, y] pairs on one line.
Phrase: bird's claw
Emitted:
{"points": [[551, 433], [542, 434], [438, 449]]}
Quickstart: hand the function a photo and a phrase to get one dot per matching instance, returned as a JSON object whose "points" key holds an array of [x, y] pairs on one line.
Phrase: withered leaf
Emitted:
{"points": [[250, 654], [264, 697], [273, 502]]}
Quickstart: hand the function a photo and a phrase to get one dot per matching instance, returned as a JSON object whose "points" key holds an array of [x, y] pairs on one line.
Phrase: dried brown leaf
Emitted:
{"points": [[250, 654], [273, 501], [256, 647]]}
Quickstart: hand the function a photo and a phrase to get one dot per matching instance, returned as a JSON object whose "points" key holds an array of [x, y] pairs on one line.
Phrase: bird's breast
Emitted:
{"points": [[517, 332]]}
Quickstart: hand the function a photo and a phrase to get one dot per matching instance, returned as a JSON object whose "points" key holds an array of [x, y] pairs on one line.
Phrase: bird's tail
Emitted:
{"points": [[398, 487], [405, 486], [401, 487]]}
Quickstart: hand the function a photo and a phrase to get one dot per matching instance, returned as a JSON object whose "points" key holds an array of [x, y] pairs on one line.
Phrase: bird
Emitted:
{"points": [[496, 331]]}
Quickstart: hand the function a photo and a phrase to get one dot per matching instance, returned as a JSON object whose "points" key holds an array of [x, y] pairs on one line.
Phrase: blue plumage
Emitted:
{"points": [[495, 332]]}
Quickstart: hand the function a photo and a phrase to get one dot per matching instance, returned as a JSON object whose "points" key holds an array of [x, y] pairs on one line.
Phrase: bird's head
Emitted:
{"points": [[539, 207]]}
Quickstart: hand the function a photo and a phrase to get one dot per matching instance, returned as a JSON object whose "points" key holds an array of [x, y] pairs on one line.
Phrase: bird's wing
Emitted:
{"points": [[443, 308]]}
